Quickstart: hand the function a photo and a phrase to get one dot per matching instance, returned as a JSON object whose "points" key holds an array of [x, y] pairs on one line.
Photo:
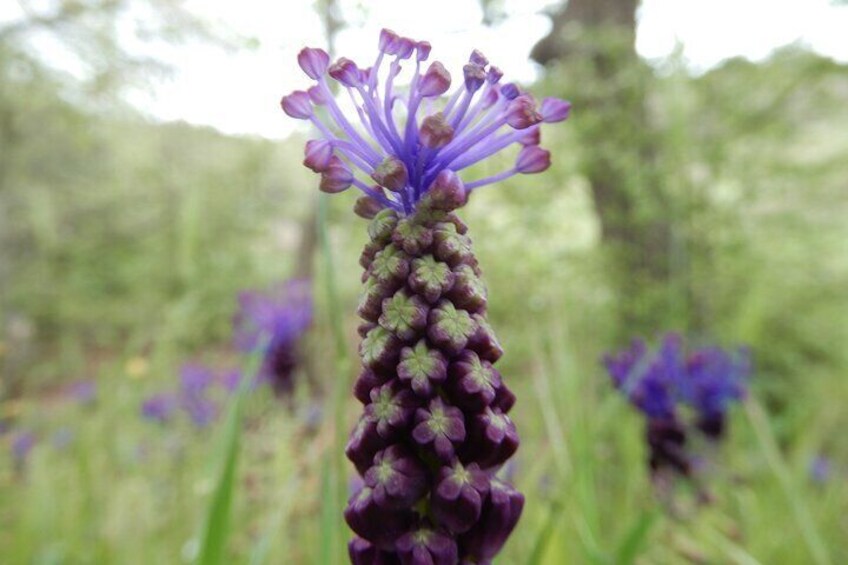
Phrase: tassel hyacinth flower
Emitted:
{"points": [[680, 395], [435, 427]]}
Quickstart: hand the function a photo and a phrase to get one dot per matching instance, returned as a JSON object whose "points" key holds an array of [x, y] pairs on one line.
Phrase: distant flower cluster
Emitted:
{"points": [[271, 323], [680, 393]]}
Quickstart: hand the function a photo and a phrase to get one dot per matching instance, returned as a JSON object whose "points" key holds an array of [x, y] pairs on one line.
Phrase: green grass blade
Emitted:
{"points": [[630, 547]]}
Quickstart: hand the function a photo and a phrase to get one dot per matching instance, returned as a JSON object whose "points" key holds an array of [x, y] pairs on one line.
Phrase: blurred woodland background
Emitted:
{"points": [[714, 204]]}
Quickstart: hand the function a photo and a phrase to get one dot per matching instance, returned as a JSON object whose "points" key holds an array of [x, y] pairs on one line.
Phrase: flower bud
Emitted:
{"points": [[530, 136], [367, 381], [521, 112], [397, 478], [430, 278], [336, 177], [423, 368], [319, 153], [346, 72], [555, 110], [435, 81], [475, 76], [449, 328], [473, 383], [405, 48], [447, 192], [510, 91], [388, 38], [392, 408], [492, 438], [424, 544], [457, 499], [362, 552], [313, 61], [494, 75], [532, 159], [366, 207], [499, 516], [422, 49], [435, 131], [478, 58], [381, 526], [391, 174], [484, 342], [297, 105], [440, 428], [404, 315], [364, 443]]}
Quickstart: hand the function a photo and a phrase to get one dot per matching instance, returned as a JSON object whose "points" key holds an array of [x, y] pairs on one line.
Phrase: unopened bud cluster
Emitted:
{"points": [[435, 427]]}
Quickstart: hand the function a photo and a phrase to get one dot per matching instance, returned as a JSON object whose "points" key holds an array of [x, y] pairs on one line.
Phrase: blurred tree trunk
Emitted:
{"points": [[594, 43]]}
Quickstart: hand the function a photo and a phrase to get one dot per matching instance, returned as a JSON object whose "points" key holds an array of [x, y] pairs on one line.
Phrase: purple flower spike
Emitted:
{"points": [[499, 517], [554, 110], [457, 500], [680, 393], [426, 545], [297, 105], [314, 62], [434, 427], [533, 159], [439, 427], [397, 478], [319, 153]]}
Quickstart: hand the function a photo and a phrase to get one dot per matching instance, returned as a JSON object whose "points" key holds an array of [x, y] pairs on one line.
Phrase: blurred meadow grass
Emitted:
{"points": [[125, 243]]}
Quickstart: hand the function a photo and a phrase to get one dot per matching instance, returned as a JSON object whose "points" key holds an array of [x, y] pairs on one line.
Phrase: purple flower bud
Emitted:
{"points": [[380, 526], [449, 328], [412, 236], [392, 408], [424, 544], [297, 105], [366, 207], [404, 315], [494, 75], [439, 427], [457, 499], [381, 228], [336, 177], [380, 349], [391, 174], [473, 383], [532, 159], [313, 61], [475, 76], [371, 299], [484, 342], [436, 132], [435, 81], [499, 516], [367, 381], [346, 72], [521, 112], [468, 292], [531, 136], [316, 95], [319, 153], [364, 443], [388, 39], [478, 58], [504, 399], [510, 91], [423, 368], [397, 479], [452, 247], [430, 278], [363, 552], [446, 193], [492, 438], [423, 50], [405, 48], [555, 110], [391, 265]]}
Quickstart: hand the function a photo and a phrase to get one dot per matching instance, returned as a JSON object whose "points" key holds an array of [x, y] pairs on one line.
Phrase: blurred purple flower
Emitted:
{"points": [[160, 407], [195, 379], [201, 410], [22, 444], [275, 321], [83, 392], [660, 382], [820, 469]]}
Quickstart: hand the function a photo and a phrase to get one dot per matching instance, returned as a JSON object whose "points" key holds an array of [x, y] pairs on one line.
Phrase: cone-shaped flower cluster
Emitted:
{"points": [[409, 139], [435, 427], [679, 394]]}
